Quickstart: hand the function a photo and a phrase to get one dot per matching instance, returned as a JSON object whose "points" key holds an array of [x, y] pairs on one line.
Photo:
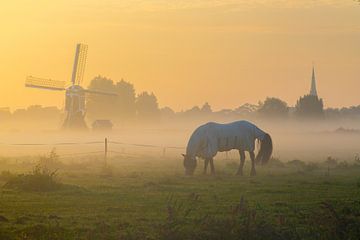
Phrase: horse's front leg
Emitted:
{"points": [[242, 161], [206, 163], [212, 166], [252, 156]]}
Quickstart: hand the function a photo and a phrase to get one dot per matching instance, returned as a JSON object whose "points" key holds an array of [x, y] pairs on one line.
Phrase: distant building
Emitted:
{"points": [[313, 91], [310, 105], [102, 125]]}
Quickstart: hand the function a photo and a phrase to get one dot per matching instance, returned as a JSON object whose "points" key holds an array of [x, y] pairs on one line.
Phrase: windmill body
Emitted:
{"points": [[75, 108], [75, 104]]}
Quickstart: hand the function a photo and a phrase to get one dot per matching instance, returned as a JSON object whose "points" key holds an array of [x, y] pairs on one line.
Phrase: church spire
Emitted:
{"points": [[313, 91]]}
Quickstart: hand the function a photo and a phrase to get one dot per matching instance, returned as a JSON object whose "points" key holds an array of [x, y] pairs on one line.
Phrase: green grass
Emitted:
{"points": [[149, 198]]}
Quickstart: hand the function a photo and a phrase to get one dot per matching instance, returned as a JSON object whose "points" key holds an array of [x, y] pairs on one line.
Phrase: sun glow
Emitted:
{"points": [[244, 51]]}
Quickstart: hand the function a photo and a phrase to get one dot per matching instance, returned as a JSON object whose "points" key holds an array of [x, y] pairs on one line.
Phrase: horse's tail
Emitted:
{"points": [[265, 151]]}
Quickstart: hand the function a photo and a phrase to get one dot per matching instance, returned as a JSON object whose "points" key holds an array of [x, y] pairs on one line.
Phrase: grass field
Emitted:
{"points": [[150, 198]]}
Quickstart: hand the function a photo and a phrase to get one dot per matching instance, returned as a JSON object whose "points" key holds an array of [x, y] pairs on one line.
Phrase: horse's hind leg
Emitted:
{"points": [[206, 163], [212, 166], [252, 156], [242, 161]]}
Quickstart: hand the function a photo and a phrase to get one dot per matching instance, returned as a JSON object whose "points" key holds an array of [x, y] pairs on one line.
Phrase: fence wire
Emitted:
{"points": [[105, 144]]}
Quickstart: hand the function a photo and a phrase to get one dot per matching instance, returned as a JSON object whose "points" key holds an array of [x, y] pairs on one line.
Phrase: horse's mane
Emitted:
{"points": [[265, 151]]}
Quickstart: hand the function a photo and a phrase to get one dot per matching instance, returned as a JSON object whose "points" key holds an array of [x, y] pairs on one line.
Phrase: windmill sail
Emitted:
{"points": [[79, 64], [75, 95], [43, 83], [100, 92]]}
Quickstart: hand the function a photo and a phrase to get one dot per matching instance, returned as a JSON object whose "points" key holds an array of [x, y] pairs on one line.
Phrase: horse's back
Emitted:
{"points": [[236, 135], [210, 138]]}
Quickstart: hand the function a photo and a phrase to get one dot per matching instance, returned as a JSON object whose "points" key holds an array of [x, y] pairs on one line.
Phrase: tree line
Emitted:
{"points": [[128, 107], [144, 106]]}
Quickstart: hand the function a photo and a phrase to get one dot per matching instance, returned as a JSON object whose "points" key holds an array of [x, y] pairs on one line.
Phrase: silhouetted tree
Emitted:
{"points": [[100, 106], [126, 100], [206, 108], [193, 112], [147, 107], [167, 112], [345, 112], [309, 106], [119, 108], [273, 107], [246, 109], [37, 115]]}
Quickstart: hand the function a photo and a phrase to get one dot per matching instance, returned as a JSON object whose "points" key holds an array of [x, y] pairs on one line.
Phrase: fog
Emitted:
{"points": [[293, 139]]}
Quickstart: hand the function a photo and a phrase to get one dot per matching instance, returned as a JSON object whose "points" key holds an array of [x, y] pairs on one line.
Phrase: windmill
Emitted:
{"points": [[74, 94]]}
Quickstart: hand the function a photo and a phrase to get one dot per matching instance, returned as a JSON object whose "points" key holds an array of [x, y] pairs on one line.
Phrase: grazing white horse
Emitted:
{"points": [[211, 138]]}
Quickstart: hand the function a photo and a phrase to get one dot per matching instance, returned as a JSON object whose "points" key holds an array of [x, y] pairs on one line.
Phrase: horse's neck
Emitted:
{"points": [[259, 134], [194, 144]]}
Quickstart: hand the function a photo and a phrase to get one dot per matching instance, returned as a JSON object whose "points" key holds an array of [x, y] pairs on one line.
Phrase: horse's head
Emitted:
{"points": [[265, 151], [189, 164]]}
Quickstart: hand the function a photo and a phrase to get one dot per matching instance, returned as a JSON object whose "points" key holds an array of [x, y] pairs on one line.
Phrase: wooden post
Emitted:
{"points": [[106, 151], [164, 151]]}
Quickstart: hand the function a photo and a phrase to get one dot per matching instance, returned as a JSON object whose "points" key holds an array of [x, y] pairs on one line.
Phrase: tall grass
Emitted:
{"points": [[42, 178]]}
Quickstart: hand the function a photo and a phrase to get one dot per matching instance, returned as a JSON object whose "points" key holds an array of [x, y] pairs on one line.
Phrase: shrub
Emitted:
{"points": [[51, 161], [297, 163], [40, 179]]}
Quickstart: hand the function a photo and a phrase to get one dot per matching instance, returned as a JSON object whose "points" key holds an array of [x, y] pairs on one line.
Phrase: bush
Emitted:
{"points": [[41, 179], [51, 161], [297, 163]]}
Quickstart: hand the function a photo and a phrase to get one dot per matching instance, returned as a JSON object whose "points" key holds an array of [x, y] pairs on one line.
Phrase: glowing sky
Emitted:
{"points": [[187, 52]]}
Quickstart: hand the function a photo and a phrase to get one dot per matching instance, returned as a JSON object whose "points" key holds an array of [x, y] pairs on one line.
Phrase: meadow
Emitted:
{"points": [[148, 197]]}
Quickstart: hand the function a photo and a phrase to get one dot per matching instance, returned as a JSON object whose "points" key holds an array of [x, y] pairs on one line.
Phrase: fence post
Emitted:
{"points": [[106, 151], [164, 151]]}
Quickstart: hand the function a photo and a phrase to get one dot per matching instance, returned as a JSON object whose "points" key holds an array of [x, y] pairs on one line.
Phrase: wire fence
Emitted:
{"points": [[106, 148], [106, 145]]}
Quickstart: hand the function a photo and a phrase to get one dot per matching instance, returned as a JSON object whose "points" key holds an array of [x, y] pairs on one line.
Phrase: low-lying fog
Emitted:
{"points": [[308, 141]]}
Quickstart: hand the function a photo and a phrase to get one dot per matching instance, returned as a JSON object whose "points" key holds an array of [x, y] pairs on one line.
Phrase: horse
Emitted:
{"points": [[209, 139]]}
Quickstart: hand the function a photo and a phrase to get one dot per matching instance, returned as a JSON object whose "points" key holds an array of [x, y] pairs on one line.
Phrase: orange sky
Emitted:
{"points": [[187, 52]]}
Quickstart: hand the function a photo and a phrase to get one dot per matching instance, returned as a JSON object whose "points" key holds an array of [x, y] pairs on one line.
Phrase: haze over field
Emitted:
{"points": [[186, 52], [180, 119], [227, 53]]}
